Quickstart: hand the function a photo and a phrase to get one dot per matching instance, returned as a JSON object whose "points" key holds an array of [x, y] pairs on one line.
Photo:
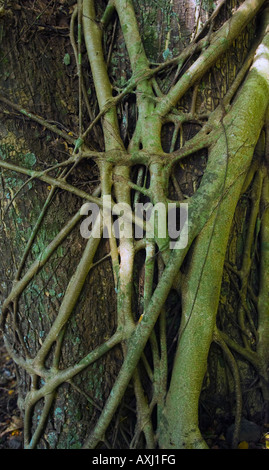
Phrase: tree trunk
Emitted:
{"points": [[117, 338]]}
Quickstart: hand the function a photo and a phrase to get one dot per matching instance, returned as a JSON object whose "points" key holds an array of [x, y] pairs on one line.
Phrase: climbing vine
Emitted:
{"points": [[147, 118]]}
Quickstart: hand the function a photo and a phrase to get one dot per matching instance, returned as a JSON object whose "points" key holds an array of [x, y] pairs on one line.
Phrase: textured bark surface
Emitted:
{"points": [[179, 335], [33, 74]]}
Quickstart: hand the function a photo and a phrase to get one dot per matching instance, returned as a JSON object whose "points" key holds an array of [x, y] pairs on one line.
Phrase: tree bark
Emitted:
{"points": [[127, 100]]}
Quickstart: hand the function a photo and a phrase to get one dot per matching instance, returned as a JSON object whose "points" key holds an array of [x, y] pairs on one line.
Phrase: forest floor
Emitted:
{"points": [[10, 420]]}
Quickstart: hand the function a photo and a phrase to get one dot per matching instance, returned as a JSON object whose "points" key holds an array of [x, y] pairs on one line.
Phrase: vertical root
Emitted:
{"points": [[238, 393]]}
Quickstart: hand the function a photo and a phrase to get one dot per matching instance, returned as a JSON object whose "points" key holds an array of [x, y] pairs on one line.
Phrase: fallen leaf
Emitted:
{"points": [[15, 425], [243, 445]]}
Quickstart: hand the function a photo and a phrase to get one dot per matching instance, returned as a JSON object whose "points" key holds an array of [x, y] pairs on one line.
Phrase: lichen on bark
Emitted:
{"points": [[112, 353]]}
